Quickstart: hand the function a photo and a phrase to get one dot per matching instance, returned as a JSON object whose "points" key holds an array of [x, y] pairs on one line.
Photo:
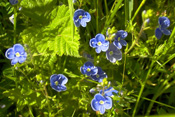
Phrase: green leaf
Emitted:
{"points": [[56, 37], [8, 72]]}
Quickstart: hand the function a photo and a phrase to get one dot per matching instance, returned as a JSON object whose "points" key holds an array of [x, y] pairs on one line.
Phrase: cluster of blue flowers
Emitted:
{"points": [[112, 50], [96, 73], [102, 100]]}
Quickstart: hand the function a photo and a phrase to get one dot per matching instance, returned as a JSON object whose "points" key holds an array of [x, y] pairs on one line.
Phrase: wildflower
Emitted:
{"points": [[119, 39], [113, 54], [81, 18], [99, 76], [11, 18], [100, 103], [89, 69], [13, 2], [16, 54], [99, 43], [164, 23], [58, 82], [109, 91]]}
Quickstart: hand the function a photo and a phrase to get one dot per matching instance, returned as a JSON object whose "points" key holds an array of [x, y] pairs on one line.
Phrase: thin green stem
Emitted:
{"points": [[112, 13], [106, 7], [142, 88], [155, 101], [123, 76], [137, 11], [97, 18], [15, 23], [48, 101]]}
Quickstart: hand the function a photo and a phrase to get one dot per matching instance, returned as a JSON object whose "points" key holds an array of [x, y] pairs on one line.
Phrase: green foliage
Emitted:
{"points": [[144, 77]]}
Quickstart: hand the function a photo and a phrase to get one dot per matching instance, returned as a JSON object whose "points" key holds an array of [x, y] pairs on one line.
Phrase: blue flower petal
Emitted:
{"points": [[94, 71], [83, 23], [99, 97], [117, 44], [93, 43], [123, 42], [158, 33], [166, 31], [95, 105], [104, 48], [19, 48], [164, 22], [77, 13], [13, 2], [98, 49], [100, 37], [102, 109], [82, 70], [22, 59], [122, 34], [89, 64], [77, 23], [106, 43], [63, 78], [86, 17], [14, 61], [61, 88], [108, 103], [10, 54]]}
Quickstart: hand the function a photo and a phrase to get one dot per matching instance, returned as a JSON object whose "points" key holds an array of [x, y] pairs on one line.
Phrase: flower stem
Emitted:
{"points": [[142, 88], [15, 22]]}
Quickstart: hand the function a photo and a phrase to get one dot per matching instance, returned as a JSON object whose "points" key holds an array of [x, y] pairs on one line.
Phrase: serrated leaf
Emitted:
{"points": [[56, 37]]}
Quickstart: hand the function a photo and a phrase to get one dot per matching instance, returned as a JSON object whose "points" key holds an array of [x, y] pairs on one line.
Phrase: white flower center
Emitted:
{"points": [[101, 102], [88, 70], [56, 83], [99, 43], [17, 54], [80, 17]]}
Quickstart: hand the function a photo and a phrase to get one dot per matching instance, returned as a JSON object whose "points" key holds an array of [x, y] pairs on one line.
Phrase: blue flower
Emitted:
{"points": [[100, 103], [57, 82], [109, 91], [113, 53], [99, 76], [16, 54], [81, 17], [89, 69], [13, 2], [164, 23], [99, 43], [119, 39]]}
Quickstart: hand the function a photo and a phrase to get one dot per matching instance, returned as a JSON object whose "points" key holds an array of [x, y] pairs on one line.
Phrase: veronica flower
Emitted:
{"points": [[89, 69], [99, 76], [100, 103], [109, 91], [119, 39], [81, 18], [164, 23], [58, 82], [99, 43], [16, 54], [113, 53], [13, 2]]}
